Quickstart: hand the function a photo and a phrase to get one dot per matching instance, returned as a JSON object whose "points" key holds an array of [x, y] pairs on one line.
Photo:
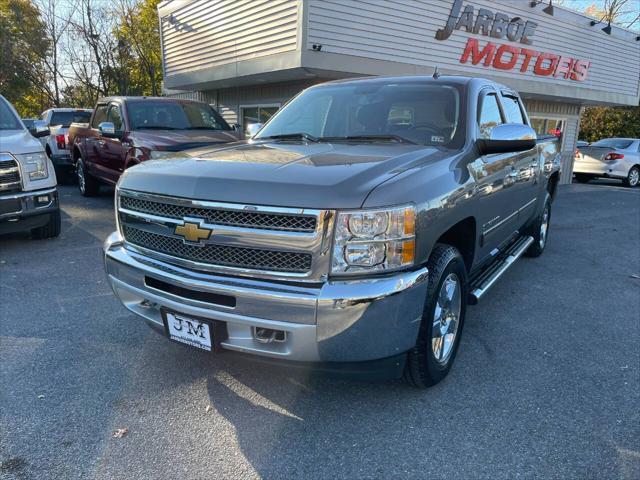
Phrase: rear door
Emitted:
{"points": [[494, 188], [525, 171]]}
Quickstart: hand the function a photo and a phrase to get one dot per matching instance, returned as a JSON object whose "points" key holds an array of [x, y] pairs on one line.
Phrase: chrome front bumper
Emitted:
{"points": [[22, 204], [335, 321]]}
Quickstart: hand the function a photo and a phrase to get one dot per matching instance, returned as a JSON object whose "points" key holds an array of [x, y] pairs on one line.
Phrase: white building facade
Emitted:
{"points": [[248, 57]]}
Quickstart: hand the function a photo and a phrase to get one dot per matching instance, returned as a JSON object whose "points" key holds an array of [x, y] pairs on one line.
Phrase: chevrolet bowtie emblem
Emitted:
{"points": [[191, 232]]}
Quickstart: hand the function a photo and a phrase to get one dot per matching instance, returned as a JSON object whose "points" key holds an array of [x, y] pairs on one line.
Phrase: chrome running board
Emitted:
{"points": [[488, 277]]}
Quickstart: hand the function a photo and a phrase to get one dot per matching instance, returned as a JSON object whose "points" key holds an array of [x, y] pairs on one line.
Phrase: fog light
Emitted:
{"points": [[43, 199]]}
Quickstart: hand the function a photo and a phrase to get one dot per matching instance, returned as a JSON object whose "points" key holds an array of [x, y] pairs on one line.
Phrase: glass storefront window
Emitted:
{"points": [[548, 126], [256, 114]]}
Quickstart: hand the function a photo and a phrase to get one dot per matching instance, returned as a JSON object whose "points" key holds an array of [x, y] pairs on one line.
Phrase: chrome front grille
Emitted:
{"points": [[221, 254], [256, 241], [217, 216], [9, 174]]}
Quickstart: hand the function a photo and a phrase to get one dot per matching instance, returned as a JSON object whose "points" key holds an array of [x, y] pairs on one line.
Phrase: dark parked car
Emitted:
{"points": [[124, 131]]}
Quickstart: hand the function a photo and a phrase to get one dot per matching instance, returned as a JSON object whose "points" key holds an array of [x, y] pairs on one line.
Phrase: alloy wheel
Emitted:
{"points": [[446, 318], [544, 227], [80, 172]]}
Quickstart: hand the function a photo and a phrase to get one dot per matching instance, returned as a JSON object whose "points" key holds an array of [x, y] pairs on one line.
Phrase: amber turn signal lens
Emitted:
{"points": [[408, 251], [409, 221]]}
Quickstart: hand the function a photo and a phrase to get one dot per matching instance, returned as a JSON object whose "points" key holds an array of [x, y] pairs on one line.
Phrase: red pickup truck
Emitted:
{"points": [[124, 131]]}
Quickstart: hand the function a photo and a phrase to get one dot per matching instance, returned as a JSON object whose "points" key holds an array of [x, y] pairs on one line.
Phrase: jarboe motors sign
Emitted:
{"points": [[506, 57]]}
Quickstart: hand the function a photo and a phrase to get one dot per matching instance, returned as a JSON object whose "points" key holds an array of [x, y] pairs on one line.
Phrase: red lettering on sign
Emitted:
{"points": [[545, 70], [564, 67], [506, 57], [528, 55], [472, 50], [500, 63], [580, 70]]}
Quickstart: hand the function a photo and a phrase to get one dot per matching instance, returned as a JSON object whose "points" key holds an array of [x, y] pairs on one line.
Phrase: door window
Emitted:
{"points": [[512, 109], [100, 115], [256, 114], [115, 117], [490, 115]]}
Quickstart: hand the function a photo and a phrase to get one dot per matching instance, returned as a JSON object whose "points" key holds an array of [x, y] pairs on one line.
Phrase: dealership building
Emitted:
{"points": [[248, 57]]}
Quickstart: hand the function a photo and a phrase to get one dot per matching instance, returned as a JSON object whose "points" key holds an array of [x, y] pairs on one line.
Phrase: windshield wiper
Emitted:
{"points": [[201, 128], [291, 136], [368, 138], [154, 127]]}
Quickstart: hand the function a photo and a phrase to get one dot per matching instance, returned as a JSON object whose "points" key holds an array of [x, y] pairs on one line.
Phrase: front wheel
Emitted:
{"points": [[442, 319], [633, 178], [51, 229]]}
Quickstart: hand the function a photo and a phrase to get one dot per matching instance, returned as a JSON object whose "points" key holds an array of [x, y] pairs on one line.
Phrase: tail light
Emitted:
{"points": [[613, 156], [576, 154], [60, 141]]}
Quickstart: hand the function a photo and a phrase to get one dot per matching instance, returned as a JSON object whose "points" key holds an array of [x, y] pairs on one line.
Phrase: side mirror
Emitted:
{"points": [[236, 127], [40, 129], [508, 137], [254, 128], [107, 129]]}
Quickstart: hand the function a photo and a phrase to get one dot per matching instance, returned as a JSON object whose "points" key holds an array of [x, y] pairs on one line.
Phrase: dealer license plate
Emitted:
{"points": [[188, 330]]}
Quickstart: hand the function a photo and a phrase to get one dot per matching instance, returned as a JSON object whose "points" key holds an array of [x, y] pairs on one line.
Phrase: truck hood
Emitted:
{"points": [[177, 140], [289, 174], [19, 141]]}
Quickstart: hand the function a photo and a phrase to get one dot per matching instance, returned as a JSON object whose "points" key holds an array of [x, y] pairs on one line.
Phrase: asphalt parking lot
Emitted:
{"points": [[546, 384]]}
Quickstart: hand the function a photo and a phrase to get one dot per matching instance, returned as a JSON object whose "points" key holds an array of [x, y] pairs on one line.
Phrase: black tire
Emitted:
{"points": [[540, 235], [88, 185], [51, 229], [423, 369], [582, 177], [633, 177]]}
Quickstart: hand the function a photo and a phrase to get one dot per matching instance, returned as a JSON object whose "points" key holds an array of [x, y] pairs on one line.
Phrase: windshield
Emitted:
{"points": [[8, 119], [612, 143], [64, 119], [416, 112], [174, 116]]}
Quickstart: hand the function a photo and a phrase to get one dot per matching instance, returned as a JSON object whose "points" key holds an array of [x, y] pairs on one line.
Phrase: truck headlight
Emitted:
{"points": [[35, 164], [374, 240]]}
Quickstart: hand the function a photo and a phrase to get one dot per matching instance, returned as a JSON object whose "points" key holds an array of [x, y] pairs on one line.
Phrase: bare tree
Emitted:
{"points": [[92, 48], [625, 13], [57, 22]]}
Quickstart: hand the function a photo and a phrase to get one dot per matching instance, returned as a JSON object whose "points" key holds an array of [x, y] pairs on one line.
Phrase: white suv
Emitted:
{"points": [[28, 192]]}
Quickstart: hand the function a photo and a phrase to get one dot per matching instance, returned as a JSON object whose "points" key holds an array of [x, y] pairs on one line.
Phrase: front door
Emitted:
{"points": [[495, 182]]}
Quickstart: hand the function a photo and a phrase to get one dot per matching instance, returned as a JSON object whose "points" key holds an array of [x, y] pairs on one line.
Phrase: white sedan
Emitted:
{"points": [[609, 158]]}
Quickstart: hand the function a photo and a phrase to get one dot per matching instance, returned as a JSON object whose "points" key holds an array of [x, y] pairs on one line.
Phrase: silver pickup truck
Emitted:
{"points": [[56, 144], [28, 192], [349, 233]]}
